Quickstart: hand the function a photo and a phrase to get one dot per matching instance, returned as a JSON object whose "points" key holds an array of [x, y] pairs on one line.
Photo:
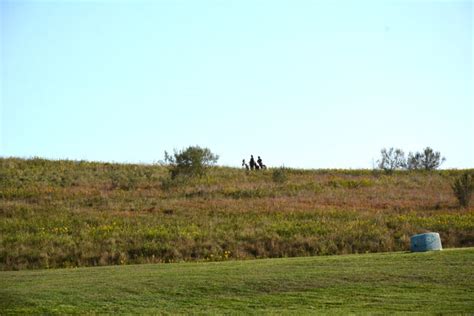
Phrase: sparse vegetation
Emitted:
{"points": [[77, 213], [463, 187]]}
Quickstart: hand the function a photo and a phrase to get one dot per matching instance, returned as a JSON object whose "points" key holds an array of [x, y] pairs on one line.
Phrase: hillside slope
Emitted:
{"points": [[435, 282], [68, 214]]}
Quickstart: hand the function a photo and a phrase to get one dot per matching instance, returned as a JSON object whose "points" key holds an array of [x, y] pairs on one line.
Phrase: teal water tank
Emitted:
{"points": [[425, 242]]}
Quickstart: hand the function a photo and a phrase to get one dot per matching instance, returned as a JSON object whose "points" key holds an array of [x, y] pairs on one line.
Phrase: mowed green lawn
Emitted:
{"points": [[440, 282]]}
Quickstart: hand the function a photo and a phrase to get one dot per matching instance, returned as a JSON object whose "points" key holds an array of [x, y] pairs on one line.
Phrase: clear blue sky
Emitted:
{"points": [[313, 84]]}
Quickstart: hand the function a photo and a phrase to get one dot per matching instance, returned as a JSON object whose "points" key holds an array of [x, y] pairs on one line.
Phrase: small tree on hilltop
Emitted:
{"points": [[391, 160], [427, 160], [191, 162], [414, 161]]}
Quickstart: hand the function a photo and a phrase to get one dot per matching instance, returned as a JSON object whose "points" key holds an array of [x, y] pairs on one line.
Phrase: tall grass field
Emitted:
{"points": [[65, 214], [397, 283]]}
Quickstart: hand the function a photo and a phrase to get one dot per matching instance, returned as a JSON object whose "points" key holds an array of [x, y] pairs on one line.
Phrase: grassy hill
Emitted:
{"points": [[72, 214], [435, 282]]}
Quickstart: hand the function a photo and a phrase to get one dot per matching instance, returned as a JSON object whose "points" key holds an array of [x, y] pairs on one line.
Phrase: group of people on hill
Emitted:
{"points": [[253, 165]]}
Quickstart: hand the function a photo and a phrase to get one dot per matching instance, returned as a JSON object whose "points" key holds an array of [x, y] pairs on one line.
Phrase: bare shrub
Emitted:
{"points": [[392, 159]]}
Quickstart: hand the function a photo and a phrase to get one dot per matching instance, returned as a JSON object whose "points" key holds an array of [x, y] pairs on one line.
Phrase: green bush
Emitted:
{"points": [[426, 160], [463, 187], [190, 162]]}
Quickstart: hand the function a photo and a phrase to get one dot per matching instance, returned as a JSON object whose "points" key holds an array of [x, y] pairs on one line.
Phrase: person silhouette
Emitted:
{"points": [[252, 163], [245, 165], [260, 162]]}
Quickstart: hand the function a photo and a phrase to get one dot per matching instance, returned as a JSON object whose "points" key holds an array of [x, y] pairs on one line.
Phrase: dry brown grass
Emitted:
{"points": [[63, 213]]}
